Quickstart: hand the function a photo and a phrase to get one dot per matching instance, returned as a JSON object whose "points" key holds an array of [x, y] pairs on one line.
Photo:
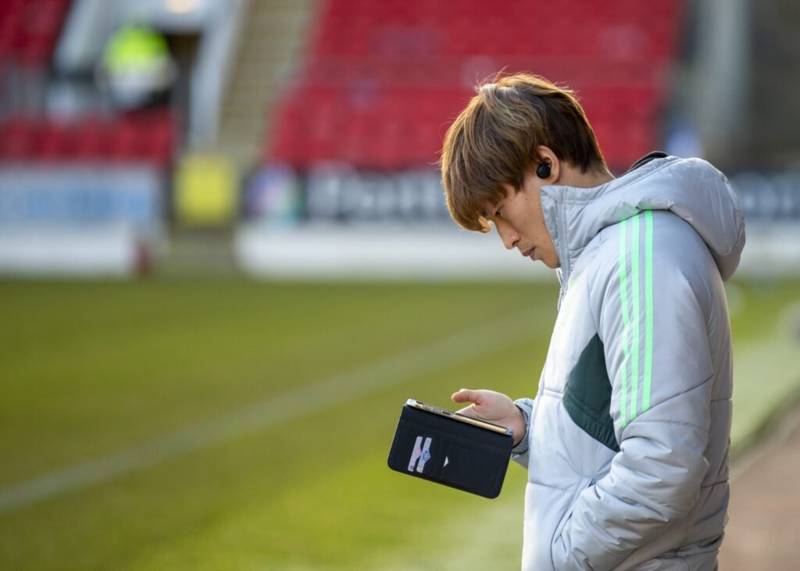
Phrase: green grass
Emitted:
{"points": [[91, 369]]}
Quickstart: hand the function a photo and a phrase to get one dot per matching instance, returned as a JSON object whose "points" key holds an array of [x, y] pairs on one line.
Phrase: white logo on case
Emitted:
{"points": [[420, 455]]}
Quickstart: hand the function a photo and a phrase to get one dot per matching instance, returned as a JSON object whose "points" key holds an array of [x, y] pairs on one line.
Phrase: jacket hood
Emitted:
{"points": [[689, 188]]}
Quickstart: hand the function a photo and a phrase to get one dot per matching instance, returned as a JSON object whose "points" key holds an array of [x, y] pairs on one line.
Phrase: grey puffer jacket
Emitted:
{"points": [[627, 447]]}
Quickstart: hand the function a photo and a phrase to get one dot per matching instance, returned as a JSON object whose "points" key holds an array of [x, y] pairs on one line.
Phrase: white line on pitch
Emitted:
{"points": [[273, 410]]}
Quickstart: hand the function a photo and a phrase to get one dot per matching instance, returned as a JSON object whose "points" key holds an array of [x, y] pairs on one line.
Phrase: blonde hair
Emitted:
{"points": [[494, 140]]}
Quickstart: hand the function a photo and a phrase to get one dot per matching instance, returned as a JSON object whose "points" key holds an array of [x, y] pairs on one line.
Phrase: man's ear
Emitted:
{"points": [[547, 156]]}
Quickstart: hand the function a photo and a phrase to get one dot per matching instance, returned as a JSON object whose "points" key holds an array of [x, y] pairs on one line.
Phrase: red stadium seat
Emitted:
{"points": [[29, 29], [17, 139]]}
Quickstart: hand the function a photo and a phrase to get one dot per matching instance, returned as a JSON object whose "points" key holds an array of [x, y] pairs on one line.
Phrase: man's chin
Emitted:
{"points": [[552, 264]]}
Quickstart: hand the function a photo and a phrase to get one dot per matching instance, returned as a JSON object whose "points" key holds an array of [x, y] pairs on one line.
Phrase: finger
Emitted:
{"points": [[467, 395]]}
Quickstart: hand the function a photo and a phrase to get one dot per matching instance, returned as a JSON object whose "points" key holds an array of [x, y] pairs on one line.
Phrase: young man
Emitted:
{"points": [[626, 442]]}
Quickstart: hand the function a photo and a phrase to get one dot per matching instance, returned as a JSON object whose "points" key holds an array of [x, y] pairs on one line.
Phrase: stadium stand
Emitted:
{"points": [[29, 31], [382, 80], [82, 183]]}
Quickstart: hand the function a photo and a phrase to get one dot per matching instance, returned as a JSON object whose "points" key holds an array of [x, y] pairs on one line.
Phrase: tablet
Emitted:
{"points": [[451, 449]]}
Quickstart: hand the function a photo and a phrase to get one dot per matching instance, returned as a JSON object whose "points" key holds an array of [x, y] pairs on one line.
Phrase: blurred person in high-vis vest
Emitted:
{"points": [[137, 67]]}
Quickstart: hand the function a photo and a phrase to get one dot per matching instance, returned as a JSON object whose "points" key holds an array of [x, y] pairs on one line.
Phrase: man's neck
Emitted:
{"points": [[574, 177]]}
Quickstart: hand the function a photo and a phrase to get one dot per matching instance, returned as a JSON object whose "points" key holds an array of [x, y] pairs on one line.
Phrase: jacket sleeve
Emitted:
{"points": [[519, 453], [658, 359]]}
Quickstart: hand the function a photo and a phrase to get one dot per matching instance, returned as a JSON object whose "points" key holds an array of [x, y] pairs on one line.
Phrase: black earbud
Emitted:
{"points": [[543, 170]]}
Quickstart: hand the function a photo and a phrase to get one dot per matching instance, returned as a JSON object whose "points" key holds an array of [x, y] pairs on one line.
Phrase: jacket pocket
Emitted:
{"points": [[585, 483]]}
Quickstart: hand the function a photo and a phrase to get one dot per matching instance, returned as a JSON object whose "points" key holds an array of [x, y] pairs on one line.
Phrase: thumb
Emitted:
{"points": [[467, 395]]}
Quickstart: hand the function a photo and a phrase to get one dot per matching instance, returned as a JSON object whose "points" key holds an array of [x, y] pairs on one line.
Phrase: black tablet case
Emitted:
{"points": [[459, 455]]}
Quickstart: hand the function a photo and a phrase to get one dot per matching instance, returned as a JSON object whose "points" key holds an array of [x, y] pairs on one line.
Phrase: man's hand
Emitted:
{"points": [[494, 407]]}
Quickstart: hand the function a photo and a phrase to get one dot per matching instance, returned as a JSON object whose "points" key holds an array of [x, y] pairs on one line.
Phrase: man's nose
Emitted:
{"points": [[507, 235]]}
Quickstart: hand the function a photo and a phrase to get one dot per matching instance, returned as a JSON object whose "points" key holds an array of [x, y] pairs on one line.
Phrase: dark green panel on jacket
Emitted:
{"points": [[587, 396]]}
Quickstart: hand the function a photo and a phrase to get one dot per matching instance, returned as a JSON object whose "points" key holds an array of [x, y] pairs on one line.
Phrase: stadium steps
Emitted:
{"points": [[273, 39]]}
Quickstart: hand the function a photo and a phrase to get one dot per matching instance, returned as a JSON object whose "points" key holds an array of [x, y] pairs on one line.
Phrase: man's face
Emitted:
{"points": [[519, 221]]}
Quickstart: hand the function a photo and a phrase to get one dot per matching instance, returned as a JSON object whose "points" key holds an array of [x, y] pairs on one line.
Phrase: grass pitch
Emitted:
{"points": [[231, 424]]}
